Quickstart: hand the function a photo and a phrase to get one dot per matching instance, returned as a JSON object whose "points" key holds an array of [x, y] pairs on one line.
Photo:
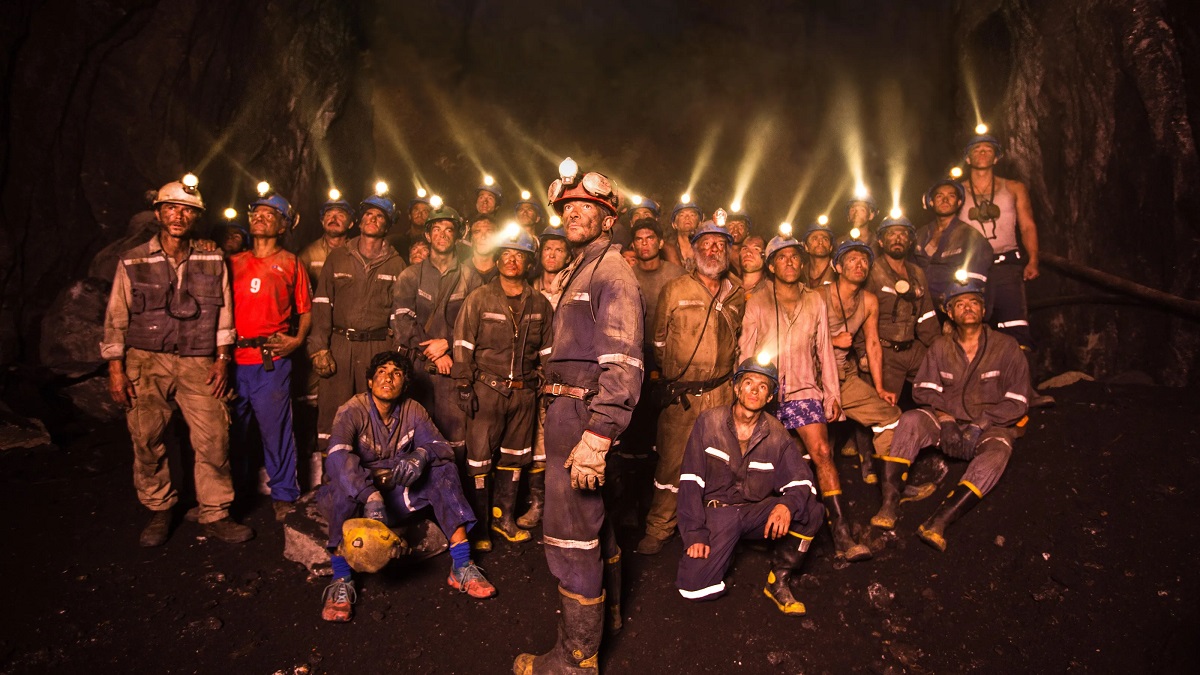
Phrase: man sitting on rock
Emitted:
{"points": [[386, 456], [744, 476]]}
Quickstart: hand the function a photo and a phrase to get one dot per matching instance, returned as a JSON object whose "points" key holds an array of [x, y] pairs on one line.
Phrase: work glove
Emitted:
{"points": [[410, 468], [323, 364], [375, 510], [586, 461], [467, 401], [951, 436], [970, 438]]}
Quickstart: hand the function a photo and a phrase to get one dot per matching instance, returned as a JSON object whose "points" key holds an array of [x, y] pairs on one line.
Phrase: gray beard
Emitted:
{"points": [[712, 269]]}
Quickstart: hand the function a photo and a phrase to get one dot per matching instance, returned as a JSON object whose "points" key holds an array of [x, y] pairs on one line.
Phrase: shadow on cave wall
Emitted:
{"points": [[1092, 98]]}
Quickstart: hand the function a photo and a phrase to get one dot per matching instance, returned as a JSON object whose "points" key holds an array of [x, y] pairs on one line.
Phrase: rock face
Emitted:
{"points": [[104, 101], [1096, 102]]}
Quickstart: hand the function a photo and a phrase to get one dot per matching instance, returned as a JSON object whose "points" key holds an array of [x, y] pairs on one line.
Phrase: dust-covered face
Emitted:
{"points": [[387, 382], [754, 391]]}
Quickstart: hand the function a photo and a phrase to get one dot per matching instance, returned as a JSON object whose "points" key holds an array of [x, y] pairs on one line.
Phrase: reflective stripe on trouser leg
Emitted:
{"points": [[917, 429], [440, 489], [703, 578], [573, 518], [208, 427], [1006, 306]]}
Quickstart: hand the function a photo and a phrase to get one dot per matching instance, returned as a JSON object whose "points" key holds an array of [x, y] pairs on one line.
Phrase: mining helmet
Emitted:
{"points": [[572, 184], [368, 544], [515, 237], [337, 201], [444, 212], [552, 232], [970, 285], [984, 138], [185, 192], [494, 189], [541, 211], [267, 196], [865, 198], [714, 226], [760, 364], [689, 203], [379, 202], [741, 215], [927, 198], [851, 245], [778, 243], [646, 203], [818, 226], [899, 221]]}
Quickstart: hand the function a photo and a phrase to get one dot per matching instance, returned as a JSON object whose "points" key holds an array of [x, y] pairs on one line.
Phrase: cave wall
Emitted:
{"points": [[1092, 101], [105, 100]]}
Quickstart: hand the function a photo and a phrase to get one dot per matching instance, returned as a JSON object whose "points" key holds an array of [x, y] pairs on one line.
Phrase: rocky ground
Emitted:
{"points": [[1077, 562]]}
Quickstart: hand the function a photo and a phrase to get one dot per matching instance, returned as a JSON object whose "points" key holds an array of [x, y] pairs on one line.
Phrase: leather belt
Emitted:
{"points": [[496, 381], [896, 346], [560, 389], [698, 387], [259, 343], [373, 335], [251, 342]]}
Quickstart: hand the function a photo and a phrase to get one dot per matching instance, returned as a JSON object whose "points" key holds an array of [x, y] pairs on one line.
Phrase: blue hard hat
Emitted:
{"points": [[537, 206], [971, 285], [276, 201], [751, 365], [710, 227], [778, 243], [552, 232], [984, 138], [896, 222], [494, 189], [377, 202], [686, 205], [518, 240], [740, 215], [851, 245], [647, 203], [927, 198], [418, 200], [867, 199], [339, 203], [817, 226]]}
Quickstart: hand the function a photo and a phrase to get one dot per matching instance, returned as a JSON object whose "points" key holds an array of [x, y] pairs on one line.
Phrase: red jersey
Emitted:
{"points": [[266, 294]]}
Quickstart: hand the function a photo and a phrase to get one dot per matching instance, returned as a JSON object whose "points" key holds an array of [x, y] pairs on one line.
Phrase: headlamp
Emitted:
{"points": [[511, 231], [525, 195], [264, 188], [895, 212], [685, 198], [785, 230], [636, 199], [381, 189], [763, 358], [720, 217], [567, 170], [334, 194], [736, 205], [956, 172], [855, 233], [230, 213], [555, 221], [421, 193], [823, 219], [960, 276], [488, 180], [435, 201], [860, 191], [190, 181], [981, 129]]}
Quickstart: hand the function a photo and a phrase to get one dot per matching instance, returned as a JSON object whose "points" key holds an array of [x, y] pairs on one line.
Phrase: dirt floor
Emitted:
{"points": [[1077, 562]]}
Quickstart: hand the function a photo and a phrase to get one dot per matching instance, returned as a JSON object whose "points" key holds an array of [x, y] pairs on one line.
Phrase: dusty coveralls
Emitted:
{"points": [[499, 353], [992, 392], [958, 247], [696, 341], [799, 342], [860, 401], [598, 329], [726, 494], [1005, 296], [167, 357], [907, 322], [427, 305], [364, 449], [351, 310], [827, 277]]}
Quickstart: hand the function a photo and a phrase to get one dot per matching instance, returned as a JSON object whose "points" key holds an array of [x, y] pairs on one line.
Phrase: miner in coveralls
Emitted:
{"points": [[594, 376]]}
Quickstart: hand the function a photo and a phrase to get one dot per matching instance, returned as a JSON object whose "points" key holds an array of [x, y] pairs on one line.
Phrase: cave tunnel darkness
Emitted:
{"points": [[784, 106]]}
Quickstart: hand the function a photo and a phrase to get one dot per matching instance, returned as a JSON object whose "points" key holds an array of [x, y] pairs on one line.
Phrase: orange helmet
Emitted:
{"points": [[572, 185]]}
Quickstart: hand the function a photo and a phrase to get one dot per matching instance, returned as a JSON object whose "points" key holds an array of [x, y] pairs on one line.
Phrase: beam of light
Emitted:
{"points": [[758, 135], [815, 164], [895, 212], [896, 132], [846, 110], [836, 195], [460, 132], [386, 123], [969, 83], [704, 156]]}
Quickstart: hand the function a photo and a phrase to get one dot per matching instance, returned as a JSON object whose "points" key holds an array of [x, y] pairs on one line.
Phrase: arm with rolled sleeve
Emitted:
{"points": [[1014, 383], [619, 326], [322, 311], [116, 317], [226, 331], [693, 527], [343, 466]]}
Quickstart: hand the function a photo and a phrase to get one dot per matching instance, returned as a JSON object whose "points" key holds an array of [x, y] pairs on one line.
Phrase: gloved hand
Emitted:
{"points": [[323, 364], [970, 438], [410, 468], [374, 508], [586, 461], [467, 401], [951, 436]]}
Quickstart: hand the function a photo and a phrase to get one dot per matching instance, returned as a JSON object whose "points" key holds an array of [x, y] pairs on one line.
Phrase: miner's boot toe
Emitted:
{"points": [[503, 523], [650, 545], [537, 500], [578, 648], [228, 531], [894, 475], [933, 531], [843, 542], [787, 556], [157, 530], [780, 592]]}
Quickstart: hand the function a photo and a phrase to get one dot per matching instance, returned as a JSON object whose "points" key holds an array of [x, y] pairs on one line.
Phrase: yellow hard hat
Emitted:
{"points": [[368, 544]]}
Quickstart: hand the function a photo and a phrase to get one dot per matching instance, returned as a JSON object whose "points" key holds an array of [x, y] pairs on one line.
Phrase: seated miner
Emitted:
{"points": [[386, 457], [973, 389], [744, 477]]}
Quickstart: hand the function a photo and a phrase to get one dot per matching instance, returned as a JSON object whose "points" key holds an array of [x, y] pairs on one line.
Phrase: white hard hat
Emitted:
{"points": [[176, 192]]}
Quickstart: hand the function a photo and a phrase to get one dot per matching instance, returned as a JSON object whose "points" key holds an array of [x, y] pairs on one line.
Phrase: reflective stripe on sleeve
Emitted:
{"points": [[799, 483], [716, 453], [1012, 324], [339, 447], [514, 451], [464, 344], [1016, 397], [321, 298], [546, 351], [620, 358], [886, 427], [404, 311], [930, 385], [660, 486], [692, 477], [927, 315]]}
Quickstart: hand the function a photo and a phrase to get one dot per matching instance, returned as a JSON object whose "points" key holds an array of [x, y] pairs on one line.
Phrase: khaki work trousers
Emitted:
{"points": [[862, 404], [156, 378]]}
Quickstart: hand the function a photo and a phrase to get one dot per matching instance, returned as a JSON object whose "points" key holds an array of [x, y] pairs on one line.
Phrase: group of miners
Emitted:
{"points": [[546, 358]]}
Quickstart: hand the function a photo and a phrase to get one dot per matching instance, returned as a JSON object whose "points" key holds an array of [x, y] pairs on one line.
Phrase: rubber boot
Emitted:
{"points": [[786, 560], [481, 505], [960, 500], [612, 577], [578, 648], [507, 481], [865, 449], [894, 475], [537, 500], [842, 541]]}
